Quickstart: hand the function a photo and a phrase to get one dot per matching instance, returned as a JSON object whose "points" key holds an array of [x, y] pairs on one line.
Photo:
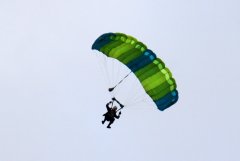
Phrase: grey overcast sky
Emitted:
{"points": [[52, 95]]}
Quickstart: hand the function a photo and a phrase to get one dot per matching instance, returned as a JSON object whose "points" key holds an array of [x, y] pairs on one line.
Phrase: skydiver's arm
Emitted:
{"points": [[117, 116], [108, 105]]}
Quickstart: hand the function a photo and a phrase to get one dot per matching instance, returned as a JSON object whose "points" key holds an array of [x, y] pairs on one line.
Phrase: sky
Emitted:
{"points": [[53, 93]]}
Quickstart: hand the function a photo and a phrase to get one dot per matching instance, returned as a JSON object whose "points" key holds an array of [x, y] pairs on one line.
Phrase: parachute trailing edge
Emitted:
{"points": [[155, 78]]}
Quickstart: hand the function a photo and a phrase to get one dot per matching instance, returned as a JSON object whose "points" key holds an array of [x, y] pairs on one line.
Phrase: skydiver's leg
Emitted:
{"points": [[110, 122], [104, 120]]}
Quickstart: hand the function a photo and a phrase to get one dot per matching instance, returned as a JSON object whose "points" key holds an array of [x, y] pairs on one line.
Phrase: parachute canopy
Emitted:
{"points": [[151, 71]]}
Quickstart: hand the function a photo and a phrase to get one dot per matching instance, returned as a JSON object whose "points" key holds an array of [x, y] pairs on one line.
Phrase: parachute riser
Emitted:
{"points": [[120, 109], [121, 105]]}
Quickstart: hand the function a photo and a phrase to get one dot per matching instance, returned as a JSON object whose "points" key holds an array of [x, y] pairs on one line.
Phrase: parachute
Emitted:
{"points": [[155, 78]]}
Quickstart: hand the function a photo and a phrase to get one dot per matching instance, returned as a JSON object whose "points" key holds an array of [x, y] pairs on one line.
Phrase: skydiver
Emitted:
{"points": [[111, 114]]}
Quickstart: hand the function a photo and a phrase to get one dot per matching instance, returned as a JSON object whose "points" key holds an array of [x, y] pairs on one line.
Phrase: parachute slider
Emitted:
{"points": [[111, 89]]}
